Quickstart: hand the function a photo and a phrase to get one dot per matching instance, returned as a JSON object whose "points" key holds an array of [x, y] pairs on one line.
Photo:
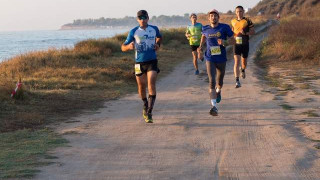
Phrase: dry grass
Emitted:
{"points": [[295, 41], [59, 83], [287, 7]]}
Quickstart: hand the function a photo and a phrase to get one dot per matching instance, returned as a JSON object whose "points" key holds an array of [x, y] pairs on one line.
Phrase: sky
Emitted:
{"points": [[18, 15]]}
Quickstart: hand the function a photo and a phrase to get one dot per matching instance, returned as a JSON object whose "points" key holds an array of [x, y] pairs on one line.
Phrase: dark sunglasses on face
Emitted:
{"points": [[142, 17]]}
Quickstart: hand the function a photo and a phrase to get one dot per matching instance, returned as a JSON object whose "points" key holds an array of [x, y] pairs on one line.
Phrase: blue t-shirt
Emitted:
{"points": [[144, 41], [214, 52]]}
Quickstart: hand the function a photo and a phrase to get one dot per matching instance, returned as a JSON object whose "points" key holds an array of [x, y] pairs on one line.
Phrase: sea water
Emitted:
{"points": [[13, 43]]}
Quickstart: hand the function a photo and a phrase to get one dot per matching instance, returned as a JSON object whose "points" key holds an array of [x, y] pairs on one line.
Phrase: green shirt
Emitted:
{"points": [[195, 34]]}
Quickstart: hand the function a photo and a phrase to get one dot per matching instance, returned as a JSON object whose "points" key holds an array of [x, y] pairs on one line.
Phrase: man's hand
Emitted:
{"points": [[188, 36], [131, 46], [231, 41], [156, 47], [127, 47], [220, 42]]}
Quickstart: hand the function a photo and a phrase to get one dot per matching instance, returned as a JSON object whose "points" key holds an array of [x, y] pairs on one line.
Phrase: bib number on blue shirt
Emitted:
{"points": [[215, 50]]}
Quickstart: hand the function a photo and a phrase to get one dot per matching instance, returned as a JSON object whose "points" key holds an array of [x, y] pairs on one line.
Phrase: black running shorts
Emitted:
{"points": [[193, 47], [241, 50], [144, 67]]}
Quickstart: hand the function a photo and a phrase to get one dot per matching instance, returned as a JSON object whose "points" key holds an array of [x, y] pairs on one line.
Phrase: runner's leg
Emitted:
{"points": [[195, 57], [245, 53], [220, 68], [243, 63], [152, 77], [236, 65], [211, 70], [142, 84]]}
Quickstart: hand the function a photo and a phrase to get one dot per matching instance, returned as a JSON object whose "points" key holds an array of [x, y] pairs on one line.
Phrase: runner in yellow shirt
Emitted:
{"points": [[193, 34]]}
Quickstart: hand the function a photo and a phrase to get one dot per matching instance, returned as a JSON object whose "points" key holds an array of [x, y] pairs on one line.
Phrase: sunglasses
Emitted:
{"points": [[142, 17]]}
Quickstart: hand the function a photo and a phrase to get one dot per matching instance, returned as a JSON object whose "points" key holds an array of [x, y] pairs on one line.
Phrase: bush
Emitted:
{"points": [[100, 47], [296, 40]]}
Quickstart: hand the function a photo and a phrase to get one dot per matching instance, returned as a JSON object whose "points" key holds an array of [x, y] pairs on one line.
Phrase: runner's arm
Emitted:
{"points": [[187, 33], [129, 43], [127, 47], [231, 40], [202, 41], [158, 43], [251, 28], [252, 31]]}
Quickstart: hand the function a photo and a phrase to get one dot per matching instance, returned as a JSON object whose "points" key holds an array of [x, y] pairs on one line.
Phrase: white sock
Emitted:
{"points": [[218, 90], [214, 102]]}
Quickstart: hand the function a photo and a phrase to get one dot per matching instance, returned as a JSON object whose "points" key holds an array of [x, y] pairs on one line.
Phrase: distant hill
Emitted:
{"points": [[162, 21], [287, 7]]}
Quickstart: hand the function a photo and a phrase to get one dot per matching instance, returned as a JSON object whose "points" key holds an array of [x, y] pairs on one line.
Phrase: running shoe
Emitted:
{"points": [[238, 84], [196, 72], [149, 118], [144, 114], [213, 111], [242, 73], [218, 96]]}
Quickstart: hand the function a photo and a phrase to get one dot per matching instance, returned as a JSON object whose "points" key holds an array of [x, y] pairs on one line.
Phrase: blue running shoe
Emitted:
{"points": [[219, 96], [238, 84], [213, 111], [196, 72]]}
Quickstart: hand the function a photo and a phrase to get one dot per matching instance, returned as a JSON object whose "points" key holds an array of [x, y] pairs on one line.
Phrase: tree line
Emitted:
{"points": [[161, 20]]}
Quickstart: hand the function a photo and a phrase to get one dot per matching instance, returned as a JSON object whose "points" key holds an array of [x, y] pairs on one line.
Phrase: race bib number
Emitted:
{"points": [[239, 40], [215, 50], [137, 69]]}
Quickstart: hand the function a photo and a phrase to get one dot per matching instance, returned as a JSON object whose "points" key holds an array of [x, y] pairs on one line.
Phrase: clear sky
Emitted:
{"points": [[51, 14]]}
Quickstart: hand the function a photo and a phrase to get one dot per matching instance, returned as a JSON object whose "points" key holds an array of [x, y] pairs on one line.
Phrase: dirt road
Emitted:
{"points": [[252, 137]]}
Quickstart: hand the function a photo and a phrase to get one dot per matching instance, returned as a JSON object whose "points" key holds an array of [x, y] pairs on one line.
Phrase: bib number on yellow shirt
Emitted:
{"points": [[215, 50], [137, 69], [239, 40]]}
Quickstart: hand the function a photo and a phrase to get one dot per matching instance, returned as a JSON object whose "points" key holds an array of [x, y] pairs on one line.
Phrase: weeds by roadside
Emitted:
{"points": [[60, 83], [21, 151], [290, 60]]}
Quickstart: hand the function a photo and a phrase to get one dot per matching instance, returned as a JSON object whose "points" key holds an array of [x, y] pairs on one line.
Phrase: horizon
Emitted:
{"points": [[16, 15]]}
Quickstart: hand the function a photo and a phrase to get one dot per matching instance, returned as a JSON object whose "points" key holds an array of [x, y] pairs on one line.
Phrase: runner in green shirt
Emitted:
{"points": [[193, 34]]}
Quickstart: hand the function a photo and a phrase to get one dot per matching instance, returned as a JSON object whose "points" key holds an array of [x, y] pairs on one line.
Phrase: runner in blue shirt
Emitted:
{"points": [[215, 36], [146, 40]]}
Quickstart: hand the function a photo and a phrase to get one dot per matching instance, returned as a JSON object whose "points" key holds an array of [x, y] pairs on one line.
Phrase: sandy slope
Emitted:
{"points": [[252, 137]]}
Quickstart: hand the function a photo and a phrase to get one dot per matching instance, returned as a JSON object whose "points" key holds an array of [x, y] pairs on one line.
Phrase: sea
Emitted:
{"points": [[13, 43]]}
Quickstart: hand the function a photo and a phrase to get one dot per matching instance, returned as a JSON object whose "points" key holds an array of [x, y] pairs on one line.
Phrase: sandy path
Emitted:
{"points": [[250, 139]]}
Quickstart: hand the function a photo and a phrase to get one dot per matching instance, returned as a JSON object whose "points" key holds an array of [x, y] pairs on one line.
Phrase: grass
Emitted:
{"points": [[316, 92], [310, 113], [305, 86], [21, 152], [60, 83], [287, 107], [284, 49], [287, 87], [307, 100]]}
